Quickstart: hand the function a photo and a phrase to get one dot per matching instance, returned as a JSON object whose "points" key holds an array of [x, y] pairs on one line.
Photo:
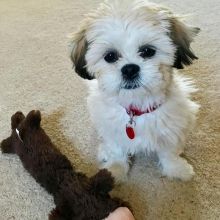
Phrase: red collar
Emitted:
{"points": [[137, 112], [132, 112]]}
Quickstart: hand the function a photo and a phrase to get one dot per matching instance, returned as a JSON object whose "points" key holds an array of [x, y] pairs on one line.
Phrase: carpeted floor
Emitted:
{"points": [[36, 73]]}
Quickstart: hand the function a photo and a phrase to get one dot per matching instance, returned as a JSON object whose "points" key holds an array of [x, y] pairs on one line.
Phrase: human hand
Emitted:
{"points": [[121, 213]]}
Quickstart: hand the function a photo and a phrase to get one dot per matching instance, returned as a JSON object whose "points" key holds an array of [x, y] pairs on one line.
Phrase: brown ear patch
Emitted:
{"points": [[182, 36], [78, 55]]}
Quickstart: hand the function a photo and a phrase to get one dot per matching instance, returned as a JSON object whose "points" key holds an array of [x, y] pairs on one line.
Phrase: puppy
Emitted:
{"points": [[131, 50]]}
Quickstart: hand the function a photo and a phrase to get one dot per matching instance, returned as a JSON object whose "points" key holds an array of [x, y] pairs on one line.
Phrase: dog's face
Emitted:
{"points": [[131, 47]]}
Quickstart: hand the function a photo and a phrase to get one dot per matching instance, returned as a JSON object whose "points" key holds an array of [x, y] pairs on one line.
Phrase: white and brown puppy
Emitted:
{"points": [[137, 100]]}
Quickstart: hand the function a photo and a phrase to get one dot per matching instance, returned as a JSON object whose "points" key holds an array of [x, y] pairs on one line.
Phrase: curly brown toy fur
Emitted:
{"points": [[76, 196]]}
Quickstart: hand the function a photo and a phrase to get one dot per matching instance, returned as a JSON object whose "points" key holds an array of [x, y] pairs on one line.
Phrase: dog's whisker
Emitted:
{"points": [[144, 86]]}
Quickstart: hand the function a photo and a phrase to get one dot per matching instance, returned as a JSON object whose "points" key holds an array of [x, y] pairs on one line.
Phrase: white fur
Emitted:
{"points": [[162, 131], [125, 27]]}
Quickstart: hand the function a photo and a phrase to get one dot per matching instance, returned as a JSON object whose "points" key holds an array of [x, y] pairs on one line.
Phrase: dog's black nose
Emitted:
{"points": [[130, 71]]}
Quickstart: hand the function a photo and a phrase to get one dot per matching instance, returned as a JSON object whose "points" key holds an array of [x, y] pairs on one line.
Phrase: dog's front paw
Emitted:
{"points": [[177, 168], [115, 161]]}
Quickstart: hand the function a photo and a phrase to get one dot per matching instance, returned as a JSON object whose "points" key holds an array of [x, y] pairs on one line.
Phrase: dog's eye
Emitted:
{"points": [[147, 51], [111, 56]]}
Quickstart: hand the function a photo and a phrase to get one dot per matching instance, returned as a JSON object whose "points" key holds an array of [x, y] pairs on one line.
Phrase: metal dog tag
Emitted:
{"points": [[130, 127]]}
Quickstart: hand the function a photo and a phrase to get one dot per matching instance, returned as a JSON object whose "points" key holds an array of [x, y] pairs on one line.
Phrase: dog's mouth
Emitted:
{"points": [[131, 85]]}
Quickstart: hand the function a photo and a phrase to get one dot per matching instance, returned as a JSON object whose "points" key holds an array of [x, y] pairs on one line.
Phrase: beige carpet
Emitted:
{"points": [[36, 73]]}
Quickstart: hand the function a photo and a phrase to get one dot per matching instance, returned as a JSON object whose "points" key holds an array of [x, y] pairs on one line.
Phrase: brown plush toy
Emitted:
{"points": [[76, 196]]}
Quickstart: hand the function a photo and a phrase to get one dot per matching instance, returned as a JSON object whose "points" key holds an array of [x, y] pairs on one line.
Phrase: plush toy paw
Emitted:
{"points": [[6, 146], [102, 182]]}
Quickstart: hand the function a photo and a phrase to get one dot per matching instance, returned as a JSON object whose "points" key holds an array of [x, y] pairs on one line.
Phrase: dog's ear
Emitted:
{"points": [[78, 52], [182, 36]]}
